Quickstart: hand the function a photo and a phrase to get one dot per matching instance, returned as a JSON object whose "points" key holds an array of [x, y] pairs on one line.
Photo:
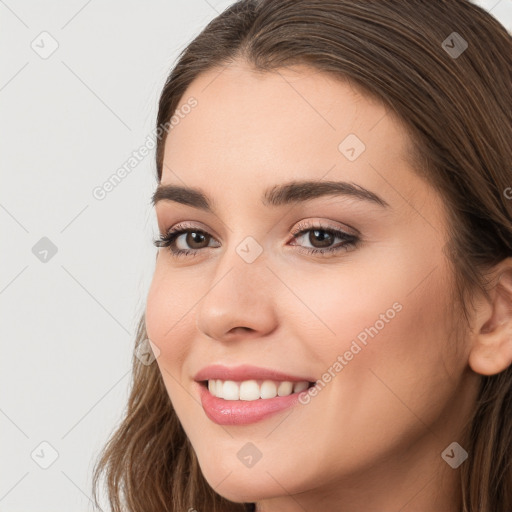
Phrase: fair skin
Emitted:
{"points": [[372, 438]]}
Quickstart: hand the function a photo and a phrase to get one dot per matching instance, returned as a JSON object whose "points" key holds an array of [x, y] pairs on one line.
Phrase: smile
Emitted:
{"points": [[250, 390], [246, 394]]}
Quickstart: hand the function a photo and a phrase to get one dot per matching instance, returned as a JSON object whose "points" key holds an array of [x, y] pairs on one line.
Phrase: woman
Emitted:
{"points": [[331, 305]]}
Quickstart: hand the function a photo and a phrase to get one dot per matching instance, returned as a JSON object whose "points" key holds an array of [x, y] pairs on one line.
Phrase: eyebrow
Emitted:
{"points": [[279, 195]]}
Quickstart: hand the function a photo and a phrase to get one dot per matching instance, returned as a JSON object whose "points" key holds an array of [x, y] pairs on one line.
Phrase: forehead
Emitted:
{"points": [[294, 123]]}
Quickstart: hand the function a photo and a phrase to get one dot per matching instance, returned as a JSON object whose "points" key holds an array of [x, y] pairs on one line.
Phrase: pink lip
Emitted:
{"points": [[245, 372], [243, 412]]}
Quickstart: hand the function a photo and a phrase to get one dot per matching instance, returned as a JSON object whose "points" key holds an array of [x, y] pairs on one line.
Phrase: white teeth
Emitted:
{"points": [[268, 389], [230, 390], [285, 388], [250, 390]]}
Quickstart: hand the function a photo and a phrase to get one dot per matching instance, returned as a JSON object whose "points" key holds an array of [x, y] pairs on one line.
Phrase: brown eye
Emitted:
{"points": [[183, 241], [194, 239], [189, 241], [320, 238], [323, 238]]}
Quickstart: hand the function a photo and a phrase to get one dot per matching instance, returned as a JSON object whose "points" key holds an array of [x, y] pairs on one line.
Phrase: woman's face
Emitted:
{"points": [[368, 316]]}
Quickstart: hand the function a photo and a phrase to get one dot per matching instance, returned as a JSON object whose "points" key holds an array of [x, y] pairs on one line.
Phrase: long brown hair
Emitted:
{"points": [[456, 103]]}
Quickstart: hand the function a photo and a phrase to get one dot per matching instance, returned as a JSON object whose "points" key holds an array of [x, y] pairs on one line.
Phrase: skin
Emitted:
{"points": [[372, 438]]}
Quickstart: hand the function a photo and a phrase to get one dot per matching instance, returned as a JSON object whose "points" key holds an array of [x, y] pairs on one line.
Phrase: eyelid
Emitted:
{"points": [[190, 225], [301, 225], [314, 222]]}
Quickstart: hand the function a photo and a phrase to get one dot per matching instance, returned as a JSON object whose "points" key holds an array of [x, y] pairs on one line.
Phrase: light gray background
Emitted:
{"points": [[68, 122]]}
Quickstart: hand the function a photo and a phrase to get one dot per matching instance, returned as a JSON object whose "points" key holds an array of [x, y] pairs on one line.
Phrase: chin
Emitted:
{"points": [[244, 485]]}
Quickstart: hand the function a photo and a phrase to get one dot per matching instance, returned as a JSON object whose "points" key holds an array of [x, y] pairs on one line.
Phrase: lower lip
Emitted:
{"points": [[243, 412]]}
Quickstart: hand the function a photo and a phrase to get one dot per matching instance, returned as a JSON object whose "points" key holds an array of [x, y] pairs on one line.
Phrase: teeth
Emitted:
{"points": [[300, 386], [230, 390], [285, 389], [250, 390], [268, 389]]}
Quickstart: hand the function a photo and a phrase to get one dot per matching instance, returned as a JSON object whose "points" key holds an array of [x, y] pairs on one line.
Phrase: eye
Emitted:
{"points": [[320, 237], [184, 235]]}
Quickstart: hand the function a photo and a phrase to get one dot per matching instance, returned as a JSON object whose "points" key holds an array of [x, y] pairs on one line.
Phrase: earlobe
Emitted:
{"points": [[492, 358], [491, 352]]}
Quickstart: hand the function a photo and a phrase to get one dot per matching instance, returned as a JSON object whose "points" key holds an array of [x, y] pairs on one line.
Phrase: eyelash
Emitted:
{"points": [[168, 239]]}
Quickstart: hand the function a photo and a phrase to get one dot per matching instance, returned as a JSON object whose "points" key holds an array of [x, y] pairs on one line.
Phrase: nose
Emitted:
{"points": [[239, 301]]}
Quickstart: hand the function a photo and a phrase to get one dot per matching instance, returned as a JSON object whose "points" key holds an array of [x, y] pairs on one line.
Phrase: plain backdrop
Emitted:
{"points": [[79, 86]]}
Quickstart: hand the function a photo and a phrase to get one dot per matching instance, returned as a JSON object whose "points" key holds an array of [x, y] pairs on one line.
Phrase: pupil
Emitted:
{"points": [[324, 240], [193, 235]]}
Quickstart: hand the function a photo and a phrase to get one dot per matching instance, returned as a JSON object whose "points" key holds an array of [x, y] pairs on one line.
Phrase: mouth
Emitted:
{"points": [[240, 395], [241, 402], [252, 390]]}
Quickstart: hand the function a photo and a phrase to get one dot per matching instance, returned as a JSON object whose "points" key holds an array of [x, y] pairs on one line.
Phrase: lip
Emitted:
{"points": [[242, 412], [246, 372]]}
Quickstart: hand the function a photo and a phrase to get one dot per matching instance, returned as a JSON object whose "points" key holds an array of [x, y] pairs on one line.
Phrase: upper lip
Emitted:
{"points": [[245, 372]]}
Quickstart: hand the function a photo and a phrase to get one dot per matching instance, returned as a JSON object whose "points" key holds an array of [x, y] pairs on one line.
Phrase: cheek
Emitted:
{"points": [[342, 311], [168, 327], [391, 330], [167, 320], [380, 301], [393, 384]]}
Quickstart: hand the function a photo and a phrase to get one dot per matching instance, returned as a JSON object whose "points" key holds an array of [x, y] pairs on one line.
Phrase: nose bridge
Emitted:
{"points": [[244, 261], [239, 293]]}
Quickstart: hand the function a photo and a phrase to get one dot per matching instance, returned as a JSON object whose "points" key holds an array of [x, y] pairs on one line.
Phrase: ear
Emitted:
{"points": [[491, 351]]}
